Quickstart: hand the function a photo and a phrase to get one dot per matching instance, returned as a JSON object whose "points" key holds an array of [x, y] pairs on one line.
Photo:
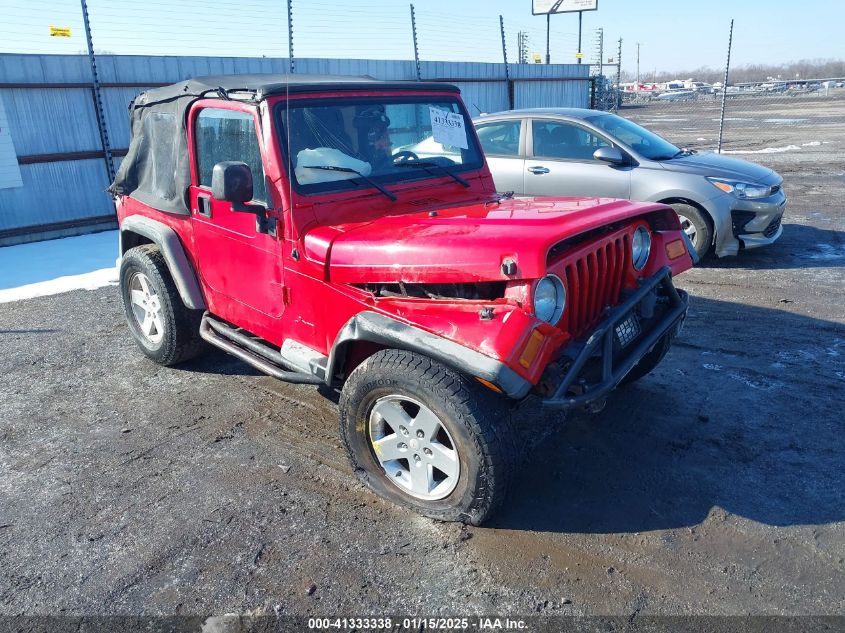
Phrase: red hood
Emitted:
{"points": [[462, 244]]}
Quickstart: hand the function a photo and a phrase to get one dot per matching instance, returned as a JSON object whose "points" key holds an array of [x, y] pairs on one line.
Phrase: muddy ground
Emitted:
{"points": [[716, 485]]}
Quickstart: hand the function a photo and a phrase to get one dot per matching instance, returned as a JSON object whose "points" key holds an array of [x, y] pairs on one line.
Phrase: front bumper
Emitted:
{"points": [[746, 223], [578, 386]]}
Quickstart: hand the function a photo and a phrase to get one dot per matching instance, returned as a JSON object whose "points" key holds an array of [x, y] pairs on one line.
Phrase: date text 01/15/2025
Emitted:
{"points": [[417, 623]]}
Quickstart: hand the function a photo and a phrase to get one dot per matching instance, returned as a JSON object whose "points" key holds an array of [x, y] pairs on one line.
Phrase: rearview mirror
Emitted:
{"points": [[231, 181], [612, 155]]}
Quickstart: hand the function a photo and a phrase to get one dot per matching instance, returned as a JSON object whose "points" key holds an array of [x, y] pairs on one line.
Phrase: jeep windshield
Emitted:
{"points": [[353, 143]]}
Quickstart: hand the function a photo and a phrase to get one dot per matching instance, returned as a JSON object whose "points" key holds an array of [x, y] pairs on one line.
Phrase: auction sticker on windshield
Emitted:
{"points": [[448, 128]]}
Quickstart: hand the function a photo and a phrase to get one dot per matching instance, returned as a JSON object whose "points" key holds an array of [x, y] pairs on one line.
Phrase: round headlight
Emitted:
{"points": [[640, 247], [549, 299]]}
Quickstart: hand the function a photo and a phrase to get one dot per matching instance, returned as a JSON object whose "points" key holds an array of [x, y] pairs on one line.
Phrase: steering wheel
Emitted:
{"points": [[405, 156]]}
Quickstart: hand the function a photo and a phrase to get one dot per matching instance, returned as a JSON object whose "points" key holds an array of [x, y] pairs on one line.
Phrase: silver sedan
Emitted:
{"points": [[724, 204]]}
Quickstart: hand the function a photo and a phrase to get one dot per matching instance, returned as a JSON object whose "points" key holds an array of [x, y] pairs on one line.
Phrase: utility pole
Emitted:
{"points": [[638, 65], [416, 47], [548, 26], [617, 94], [522, 47], [599, 52], [619, 62]]}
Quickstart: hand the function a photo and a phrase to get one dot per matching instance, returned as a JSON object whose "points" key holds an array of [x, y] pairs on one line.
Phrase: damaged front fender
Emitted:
{"points": [[383, 330]]}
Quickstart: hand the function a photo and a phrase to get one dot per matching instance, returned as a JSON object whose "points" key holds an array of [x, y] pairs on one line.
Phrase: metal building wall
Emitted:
{"points": [[50, 106]]}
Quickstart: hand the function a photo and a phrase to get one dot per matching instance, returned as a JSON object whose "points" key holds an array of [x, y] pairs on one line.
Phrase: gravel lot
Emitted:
{"points": [[715, 485]]}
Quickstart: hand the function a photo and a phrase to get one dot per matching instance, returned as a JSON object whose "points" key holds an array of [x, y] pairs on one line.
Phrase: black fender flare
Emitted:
{"points": [[384, 330], [174, 254]]}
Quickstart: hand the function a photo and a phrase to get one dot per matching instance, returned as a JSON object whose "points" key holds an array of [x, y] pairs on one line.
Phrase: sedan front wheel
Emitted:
{"points": [[697, 227]]}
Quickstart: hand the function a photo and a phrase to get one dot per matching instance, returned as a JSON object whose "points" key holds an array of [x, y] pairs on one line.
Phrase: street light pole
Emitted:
{"points": [[580, 16], [548, 26]]}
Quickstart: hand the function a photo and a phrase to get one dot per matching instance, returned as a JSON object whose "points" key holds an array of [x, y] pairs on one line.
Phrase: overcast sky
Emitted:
{"points": [[673, 34]]}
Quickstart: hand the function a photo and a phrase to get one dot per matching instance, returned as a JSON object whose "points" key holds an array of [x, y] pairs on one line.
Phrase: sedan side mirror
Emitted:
{"points": [[612, 155], [231, 181]]}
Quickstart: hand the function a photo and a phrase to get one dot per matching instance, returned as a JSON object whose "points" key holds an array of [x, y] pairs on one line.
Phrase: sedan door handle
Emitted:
{"points": [[539, 170]]}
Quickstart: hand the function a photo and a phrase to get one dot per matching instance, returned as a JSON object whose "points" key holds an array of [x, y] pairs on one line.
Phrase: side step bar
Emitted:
{"points": [[253, 352]]}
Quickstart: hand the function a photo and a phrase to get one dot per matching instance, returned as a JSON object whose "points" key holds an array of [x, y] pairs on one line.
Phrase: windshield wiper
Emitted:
{"points": [[425, 164], [685, 151], [349, 170]]}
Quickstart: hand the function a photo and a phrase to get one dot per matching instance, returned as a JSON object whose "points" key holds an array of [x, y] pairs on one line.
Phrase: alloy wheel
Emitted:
{"points": [[146, 307], [689, 228], [414, 447]]}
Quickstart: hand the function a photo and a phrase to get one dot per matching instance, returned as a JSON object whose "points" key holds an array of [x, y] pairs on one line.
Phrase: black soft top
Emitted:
{"points": [[261, 86], [156, 170]]}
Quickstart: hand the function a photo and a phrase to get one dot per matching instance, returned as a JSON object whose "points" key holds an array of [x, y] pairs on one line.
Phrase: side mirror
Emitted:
{"points": [[231, 181], [612, 155]]}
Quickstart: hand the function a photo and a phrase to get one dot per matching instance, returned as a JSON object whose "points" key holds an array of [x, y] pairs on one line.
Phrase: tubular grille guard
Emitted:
{"points": [[602, 338]]}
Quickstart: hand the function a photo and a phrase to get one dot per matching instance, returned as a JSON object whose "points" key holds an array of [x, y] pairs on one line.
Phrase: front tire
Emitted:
{"points": [[697, 225], [426, 437], [162, 326]]}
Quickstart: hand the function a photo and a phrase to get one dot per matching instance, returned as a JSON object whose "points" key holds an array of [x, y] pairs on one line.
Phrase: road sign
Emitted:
{"points": [[60, 31], [579, 55], [538, 59], [542, 7]]}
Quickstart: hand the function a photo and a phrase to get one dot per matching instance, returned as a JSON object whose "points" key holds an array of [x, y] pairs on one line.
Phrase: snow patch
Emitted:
{"points": [[84, 262], [811, 144], [765, 150], [86, 281], [785, 121]]}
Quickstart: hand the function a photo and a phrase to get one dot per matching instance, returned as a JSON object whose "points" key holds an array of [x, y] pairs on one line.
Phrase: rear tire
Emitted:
{"points": [[407, 420], [697, 225], [162, 326]]}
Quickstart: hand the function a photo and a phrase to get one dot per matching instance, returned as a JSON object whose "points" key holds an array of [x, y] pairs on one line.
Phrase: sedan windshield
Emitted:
{"points": [[348, 143], [645, 143]]}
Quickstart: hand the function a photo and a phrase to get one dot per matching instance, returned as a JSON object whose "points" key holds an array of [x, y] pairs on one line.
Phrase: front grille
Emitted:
{"points": [[773, 227], [593, 278]]}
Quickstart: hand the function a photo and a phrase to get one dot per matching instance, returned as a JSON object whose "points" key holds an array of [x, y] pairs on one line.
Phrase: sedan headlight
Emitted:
{"points": [[640, 247], [549, 299], [743, 190]]}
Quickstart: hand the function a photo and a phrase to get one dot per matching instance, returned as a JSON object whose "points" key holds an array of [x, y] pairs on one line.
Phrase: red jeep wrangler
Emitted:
{"points": [[346, 232]]}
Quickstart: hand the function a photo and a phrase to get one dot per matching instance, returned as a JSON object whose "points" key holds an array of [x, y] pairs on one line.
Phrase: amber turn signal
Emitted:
{"points": [[529, 354], [675, 249], [488, 384]]}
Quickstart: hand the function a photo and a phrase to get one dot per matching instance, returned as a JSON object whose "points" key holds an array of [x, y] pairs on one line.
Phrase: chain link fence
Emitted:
{"points": [[799, 132]]}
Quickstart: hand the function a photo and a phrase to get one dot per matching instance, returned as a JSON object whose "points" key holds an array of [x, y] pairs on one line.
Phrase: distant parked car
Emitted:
{"points": [[724, 204], [676, 95]]}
